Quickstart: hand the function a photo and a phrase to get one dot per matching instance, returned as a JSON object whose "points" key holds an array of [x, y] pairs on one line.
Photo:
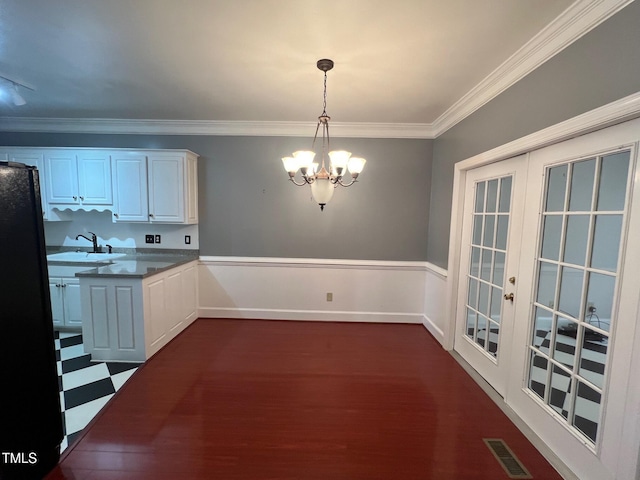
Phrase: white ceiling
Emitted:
{"points": [[400, 62]]}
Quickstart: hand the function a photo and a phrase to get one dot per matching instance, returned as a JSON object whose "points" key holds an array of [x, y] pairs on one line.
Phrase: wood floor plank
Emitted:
{"points": [[251, 399]]}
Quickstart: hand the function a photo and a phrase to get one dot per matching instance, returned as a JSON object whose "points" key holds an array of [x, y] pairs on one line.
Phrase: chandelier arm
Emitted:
{"points": [[339, 180], [298, 184], [316, 135]]}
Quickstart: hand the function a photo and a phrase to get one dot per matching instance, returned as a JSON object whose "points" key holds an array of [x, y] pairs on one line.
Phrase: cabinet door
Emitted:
{"points": [[94, 178], [72, 306], [57, 305], [61, 174], [166, 188], [130, 188], [33, 159]]}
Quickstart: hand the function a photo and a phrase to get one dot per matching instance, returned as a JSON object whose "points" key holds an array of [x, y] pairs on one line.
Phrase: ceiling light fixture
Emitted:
{"points": [[323, 181], [12, 92]]}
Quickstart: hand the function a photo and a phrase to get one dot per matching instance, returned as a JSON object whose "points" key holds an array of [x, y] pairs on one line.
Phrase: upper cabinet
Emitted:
{"points": [[131, 203], [34, 159], [152, 186], [173, 188], [155, 187], [78, 178]]}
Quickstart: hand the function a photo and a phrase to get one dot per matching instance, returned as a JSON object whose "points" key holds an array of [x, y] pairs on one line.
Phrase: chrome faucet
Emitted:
{"points": [[93, 240]]}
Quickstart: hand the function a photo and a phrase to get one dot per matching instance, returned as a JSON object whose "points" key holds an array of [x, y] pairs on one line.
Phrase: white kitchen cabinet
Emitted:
{"points": [[65, 302], [35, 158], [137, 185], [131, 318], [78, 178], [173, 188], [130, 187]]}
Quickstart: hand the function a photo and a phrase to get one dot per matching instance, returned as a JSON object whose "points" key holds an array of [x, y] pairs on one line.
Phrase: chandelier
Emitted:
{"points": [[323, 181]]}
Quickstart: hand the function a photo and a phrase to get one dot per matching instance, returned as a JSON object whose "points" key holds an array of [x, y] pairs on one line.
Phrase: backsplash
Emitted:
{"points": [[118, 235]]}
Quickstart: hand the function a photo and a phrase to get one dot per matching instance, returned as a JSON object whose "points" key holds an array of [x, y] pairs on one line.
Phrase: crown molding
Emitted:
{"points": [[577, 20], [211, 127], [627, 108]]}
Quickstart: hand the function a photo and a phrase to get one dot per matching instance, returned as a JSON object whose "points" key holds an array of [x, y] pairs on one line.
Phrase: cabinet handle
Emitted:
{"points": [[58, 285], [82, 198], [115, 215], [151, 215], [63, 285], [75, 198]]}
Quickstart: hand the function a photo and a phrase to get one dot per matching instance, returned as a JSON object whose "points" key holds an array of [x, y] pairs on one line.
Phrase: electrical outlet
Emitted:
{"points": [[187, 239], [591, 308], [329, 296], [148, 239], [157, 238]]}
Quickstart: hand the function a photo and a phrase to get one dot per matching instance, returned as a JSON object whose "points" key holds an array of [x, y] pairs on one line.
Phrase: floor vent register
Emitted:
{"points": [[506, 458]]}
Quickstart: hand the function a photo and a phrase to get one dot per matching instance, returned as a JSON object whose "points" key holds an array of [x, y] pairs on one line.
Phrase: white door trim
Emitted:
{"points": [[626, 108]]}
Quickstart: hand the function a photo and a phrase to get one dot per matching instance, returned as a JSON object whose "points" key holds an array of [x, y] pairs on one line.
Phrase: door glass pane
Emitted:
{"points": [[587, 411], [505, 195], [542, 332], [606, 242], [582, 185], [496, 303], [593, 357], [471, 323], [498, 269], [494, 333], [547, 275], [613, 182], [556, 187], [477, 230], [485, 267], [479, 206], [570, 291], [564, 349], [538, 374], [489, 224], [474, 270], [501, 232], [472, 297], [600, 296], [483, 300], [559, 398], [492, 195], [551, 237], [575, 242], [482, 331]]}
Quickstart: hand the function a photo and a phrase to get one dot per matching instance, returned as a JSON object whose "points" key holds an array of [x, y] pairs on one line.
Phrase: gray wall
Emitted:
{"points": [[248, 207], [599, 68]]}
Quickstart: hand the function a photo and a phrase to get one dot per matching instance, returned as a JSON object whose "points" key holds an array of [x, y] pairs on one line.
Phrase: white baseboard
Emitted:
{"points": [[310, 315], [433, 329]]}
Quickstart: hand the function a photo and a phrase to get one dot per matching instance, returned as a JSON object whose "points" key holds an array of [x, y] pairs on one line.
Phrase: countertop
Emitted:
{"points": [[131, 266]]}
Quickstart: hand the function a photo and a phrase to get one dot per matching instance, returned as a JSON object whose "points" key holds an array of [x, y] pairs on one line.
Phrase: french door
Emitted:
{"points": [[562, 351], [494, 197]]}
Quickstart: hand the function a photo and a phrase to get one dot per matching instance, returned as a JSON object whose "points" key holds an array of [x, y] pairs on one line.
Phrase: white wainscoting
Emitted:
{"points": [[296, 289], [435, 301]]}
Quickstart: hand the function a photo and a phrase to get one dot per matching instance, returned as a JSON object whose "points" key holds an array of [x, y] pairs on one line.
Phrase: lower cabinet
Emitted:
{"points": [[130, 319], [65, 302]]}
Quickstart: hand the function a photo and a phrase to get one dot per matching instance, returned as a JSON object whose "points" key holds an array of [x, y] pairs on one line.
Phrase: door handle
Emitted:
{"points": [[508, 296]]}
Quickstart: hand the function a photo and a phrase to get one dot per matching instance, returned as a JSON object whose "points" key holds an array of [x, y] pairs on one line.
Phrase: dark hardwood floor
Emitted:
{"points": [[251, 399]]}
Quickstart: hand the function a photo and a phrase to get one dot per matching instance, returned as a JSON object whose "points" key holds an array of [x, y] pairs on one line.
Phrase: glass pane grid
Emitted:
{"points": [[487, 255], [577, 265]]}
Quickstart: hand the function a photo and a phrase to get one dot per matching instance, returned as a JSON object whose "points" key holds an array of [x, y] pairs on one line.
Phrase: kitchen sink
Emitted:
{"points": [[84, 257]]}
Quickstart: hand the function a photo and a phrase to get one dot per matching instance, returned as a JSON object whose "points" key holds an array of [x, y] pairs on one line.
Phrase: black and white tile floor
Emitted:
{"points": [[85, 386]]}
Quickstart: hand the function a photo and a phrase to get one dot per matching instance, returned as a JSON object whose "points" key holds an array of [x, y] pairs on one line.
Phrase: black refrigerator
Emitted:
{"points": [[30, 418]]}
